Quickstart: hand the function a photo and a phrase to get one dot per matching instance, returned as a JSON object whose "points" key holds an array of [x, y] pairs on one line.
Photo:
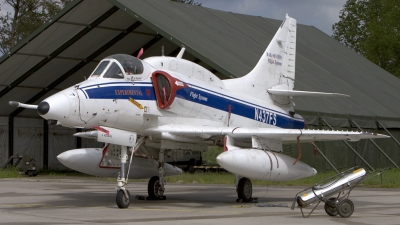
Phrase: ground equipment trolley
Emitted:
{"points": [[334, 192]]}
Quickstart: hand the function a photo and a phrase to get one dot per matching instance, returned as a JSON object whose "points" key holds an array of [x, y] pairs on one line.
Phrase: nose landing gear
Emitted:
{"points": [[123, 195], [155, 186]]}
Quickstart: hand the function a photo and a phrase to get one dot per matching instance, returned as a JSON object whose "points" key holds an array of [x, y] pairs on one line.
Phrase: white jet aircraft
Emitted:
{"points": [[146, 109]]}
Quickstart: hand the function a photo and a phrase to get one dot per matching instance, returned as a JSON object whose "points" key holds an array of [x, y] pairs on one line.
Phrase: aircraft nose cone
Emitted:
{"points": [[43, 108], [55, 107]]}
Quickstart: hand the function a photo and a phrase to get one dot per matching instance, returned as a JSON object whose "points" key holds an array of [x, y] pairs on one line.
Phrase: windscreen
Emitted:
{"points": [[130, 64], [100, 68], [114, 71]]}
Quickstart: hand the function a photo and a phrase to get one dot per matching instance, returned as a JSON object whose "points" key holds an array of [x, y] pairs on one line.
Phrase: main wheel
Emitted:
{"points": [[345, 208], [244, 189], [330, 207], [122, 200], [153, 187]]}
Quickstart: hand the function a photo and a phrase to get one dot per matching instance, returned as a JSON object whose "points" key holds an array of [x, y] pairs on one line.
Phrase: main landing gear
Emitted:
{"points": [[244, 189], [155, 187]]}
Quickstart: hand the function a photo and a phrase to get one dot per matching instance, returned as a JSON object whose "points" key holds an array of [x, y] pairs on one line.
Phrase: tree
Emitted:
{"points": [[190, 2], [26, 17], [371, 28]]}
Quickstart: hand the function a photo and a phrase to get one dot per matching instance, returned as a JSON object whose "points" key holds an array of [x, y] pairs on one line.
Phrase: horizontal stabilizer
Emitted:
{"points": [[304, 93]]}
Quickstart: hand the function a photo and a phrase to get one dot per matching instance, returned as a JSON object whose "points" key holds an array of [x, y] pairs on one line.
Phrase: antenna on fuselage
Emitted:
{"points": [[180, 54], [140, 53], [162, 50]]}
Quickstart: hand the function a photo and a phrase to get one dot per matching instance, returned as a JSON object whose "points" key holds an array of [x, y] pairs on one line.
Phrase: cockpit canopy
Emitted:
{"points": [[116, 66]]}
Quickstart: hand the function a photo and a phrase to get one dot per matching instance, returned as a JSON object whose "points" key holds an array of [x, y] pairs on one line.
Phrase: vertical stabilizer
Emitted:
{"points": [[276, 67]]}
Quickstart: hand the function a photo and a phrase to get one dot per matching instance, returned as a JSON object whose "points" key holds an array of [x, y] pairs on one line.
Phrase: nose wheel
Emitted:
{"points": [[123, 198]]}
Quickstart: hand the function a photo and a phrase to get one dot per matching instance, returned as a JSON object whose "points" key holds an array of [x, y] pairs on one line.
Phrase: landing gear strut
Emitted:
{"points": [[155, 187], [123, 195]]}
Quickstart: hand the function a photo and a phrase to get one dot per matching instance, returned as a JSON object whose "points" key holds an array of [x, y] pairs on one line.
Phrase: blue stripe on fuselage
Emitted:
{"points": [[105, 91], [252, 111], [198, 95]]}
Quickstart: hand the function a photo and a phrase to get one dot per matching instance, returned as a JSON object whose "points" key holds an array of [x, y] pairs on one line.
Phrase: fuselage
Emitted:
{"points": [[164, 90]]}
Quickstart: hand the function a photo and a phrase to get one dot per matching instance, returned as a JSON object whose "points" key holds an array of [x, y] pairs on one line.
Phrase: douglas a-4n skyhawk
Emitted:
{"points": [[162, 106]]}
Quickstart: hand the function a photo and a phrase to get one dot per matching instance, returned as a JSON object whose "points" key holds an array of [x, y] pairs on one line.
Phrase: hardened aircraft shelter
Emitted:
{"points": [[67, 48]]}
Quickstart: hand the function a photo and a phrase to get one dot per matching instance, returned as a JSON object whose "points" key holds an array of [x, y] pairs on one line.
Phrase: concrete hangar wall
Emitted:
{"points": [[67, 48]]}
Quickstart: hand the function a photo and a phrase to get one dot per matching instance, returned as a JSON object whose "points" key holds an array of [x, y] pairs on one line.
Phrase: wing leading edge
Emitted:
{"points": [[285, 135]]}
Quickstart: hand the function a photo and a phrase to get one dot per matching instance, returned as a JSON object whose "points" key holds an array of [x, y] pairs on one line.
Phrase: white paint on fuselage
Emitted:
{"points": [[119, 112]]}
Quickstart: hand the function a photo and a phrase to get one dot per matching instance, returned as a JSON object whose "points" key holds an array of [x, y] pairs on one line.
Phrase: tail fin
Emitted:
{"points": [[276, 67]]}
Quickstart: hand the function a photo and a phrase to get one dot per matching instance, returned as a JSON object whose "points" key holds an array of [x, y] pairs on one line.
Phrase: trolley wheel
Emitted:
{"points": [[244, 189], [345, 208], [330, 207], [122, 200]]}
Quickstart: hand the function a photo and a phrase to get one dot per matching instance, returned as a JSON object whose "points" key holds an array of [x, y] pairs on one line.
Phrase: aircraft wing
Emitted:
{"points": [[304, 93], [285, 135]]}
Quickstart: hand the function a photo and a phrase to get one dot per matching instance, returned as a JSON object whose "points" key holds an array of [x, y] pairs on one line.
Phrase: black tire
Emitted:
{"points": [[122, 201], [153, 187], [345, 208], [330, 207], [191, 169], [192, 162], [244, 189]]}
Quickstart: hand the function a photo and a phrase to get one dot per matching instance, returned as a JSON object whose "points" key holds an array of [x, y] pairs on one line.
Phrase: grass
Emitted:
{"points": [[62, 173], [16, 172], [389, 179], [10, 172]]}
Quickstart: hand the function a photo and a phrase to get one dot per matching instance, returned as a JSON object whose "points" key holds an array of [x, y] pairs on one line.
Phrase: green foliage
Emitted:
{"points": [[10, 172], [389, 179], [371, 28], [210, 156], [202, 178], [64, 173], [27, 16]]}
